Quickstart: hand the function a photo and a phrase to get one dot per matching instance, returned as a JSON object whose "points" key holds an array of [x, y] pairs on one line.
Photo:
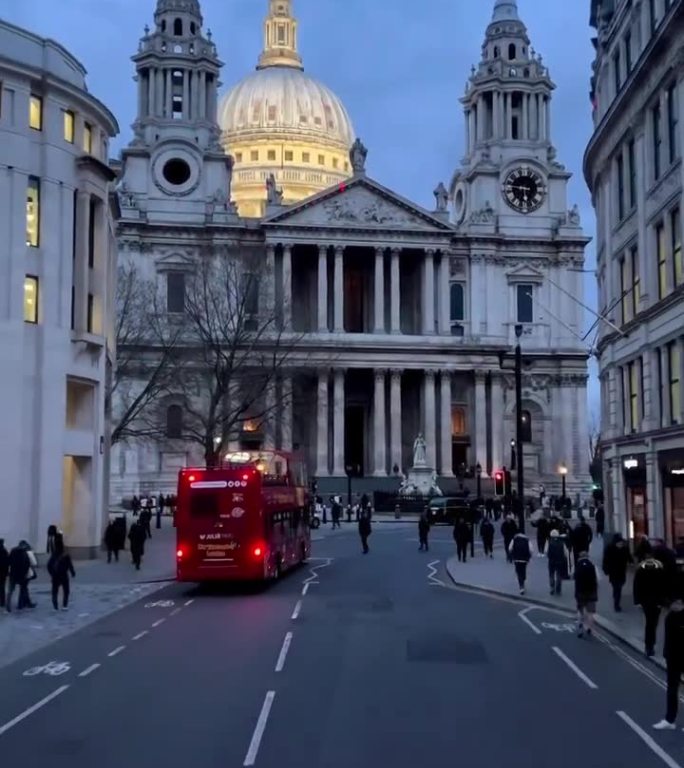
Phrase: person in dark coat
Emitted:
{"points": [[19, 575], [586, 594], [462, 539], [616, 558], [60, 567], [112, 540], [509, 528], [423, 530], [600, 518], [543, 531], [487, 536], [520, 553], [336, 513], [649, 593], [557, 558], [135, 505], [146, 521], [51, 533], [674, 658], [137, 536], [160, 510], [365, 529], [4, 570], [663, 554], [580, 538]]}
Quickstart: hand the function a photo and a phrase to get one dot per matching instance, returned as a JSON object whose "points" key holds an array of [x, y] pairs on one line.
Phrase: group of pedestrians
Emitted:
{"points": [[138, 533]]}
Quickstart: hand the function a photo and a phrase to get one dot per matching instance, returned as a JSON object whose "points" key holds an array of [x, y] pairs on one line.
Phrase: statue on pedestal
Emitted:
{"points": [[419, 452]]}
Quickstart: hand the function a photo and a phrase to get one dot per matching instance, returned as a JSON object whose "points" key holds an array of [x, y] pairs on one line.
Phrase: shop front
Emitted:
{"points": [[672, 473], [634, 474]]}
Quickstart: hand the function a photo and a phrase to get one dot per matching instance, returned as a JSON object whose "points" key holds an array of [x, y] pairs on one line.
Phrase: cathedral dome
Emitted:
{"points": [[279, 120]]}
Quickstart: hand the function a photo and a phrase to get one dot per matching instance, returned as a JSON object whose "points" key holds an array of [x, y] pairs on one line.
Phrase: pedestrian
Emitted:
{"points": [[4, 570], [543, 531], [112, 540], [674, 658], [580, 537], [649, 593], [20, 573], [616, 558], [668, 559], [336, 513], [557, 558], [586, 593], [365, 529], [487, 535], [146, 520], [462, 539], [160, 510], [135, 505], [424, 530], [51, 533], [520, 553], [600, 518], [509, 528], [60, 567], [137, 536]]}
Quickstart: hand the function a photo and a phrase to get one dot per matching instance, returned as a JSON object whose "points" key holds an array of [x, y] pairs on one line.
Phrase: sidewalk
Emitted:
{"points": [[497, 576], [98, 590]]}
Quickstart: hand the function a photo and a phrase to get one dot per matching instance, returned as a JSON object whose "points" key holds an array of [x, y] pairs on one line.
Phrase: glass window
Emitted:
{"points": [[321, 159], [676, 224], [525, 312], [175, 292], [289, 156], [271, 154], [30, 299], [91, 309], [620, 172], [633, 382], [254, 155], [92, 222], [306, 157], [457, 303], [628, 51], [631, 171], [636, 280], [33, 212], [661, 385], [672, 123], [652, 17], [336, 162], [661, 253], [174, 421], [657, 140], [68, 126], [673, 367], [87, 138], [458, 421], [250, 294], [624, 292], [178, 27], [617, 74], [526, 424], [238, 157], [36, 113]]}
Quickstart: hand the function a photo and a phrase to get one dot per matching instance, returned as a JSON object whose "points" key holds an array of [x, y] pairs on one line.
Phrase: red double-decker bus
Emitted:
{"points": [[245, 520]]}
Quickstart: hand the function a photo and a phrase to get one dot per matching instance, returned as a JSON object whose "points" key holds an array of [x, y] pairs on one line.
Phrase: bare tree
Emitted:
{"points": [[146, 359], [235, 351]]}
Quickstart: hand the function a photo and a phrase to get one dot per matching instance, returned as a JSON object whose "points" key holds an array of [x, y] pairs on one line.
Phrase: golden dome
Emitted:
{"points": [[280, 121]]}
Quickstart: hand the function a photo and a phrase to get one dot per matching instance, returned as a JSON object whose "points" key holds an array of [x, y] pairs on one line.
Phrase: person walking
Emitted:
{"points": [[674, 658], [462, 539], [365, 528], [509, 529], [616, 558], [423, 530], [586, 594], [112, 540], [20, 573], [60, 567], [336, 513], [580, 537], [543, 531], [520, 553], [487, 535], [4, 570], [137, 536], [557, 558], [600, 518], [649, 593], [146, 520]]}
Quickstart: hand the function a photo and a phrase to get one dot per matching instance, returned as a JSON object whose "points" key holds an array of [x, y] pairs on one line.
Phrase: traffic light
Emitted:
{"points": [[499, 483]]}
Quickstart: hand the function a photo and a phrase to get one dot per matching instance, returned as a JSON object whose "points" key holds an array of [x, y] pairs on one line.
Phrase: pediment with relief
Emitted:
{"points": [[525, 273]]}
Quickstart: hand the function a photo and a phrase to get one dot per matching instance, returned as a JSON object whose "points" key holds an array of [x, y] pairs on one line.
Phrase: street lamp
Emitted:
{"points": [[513, 456], [563, 471], [478, 473]]}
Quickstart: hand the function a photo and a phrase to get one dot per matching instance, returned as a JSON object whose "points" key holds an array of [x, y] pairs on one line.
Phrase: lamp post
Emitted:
{"points": [[478, 473], [513, 455], [563, 471]]}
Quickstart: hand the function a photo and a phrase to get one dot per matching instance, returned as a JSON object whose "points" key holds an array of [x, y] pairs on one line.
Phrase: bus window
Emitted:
{"points": [[205, 502]]}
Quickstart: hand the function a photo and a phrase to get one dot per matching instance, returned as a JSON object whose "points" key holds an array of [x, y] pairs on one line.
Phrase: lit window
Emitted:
{"points": [[87, 138], [68, 126], [661, 253], [458, 421], [33, 212], [525, 306], [457, 303], [676, 224], [30, 299], [36, 113], [673, 365]]}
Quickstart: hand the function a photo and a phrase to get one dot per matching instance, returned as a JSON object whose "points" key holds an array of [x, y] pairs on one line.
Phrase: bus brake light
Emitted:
{"points": [[191, 478], [180, 553], [258, 551]]}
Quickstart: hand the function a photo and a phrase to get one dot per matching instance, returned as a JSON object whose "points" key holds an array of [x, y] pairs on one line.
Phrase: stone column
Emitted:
{"points": [[429, 292], [467, 130], [286, 413], [287, 288], [81, 278], [379, 427], [507, 115], [395, 292], [203, 96], [525, 116], [496, 425], [446, 464], [547, 118], [396, 436], [481, 420], [496, 115], [666, 419], [151, 79], [338, 423], [443, 293], [429, 407], [270, 279], [322, 288], [338, 291], [379, 290], [322, 468]]}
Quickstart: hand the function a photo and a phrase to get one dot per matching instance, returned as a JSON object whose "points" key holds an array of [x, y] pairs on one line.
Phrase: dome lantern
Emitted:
{"points": [[280, 37]]}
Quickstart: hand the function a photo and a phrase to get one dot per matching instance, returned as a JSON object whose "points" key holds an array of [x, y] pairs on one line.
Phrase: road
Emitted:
{"points": [[356, 660]]}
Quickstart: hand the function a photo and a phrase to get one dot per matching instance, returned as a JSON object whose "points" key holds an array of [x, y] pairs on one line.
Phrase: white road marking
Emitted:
{"points": [[312, 571], [523, 615], [140, 634], [160, 604], [258, 734], [283, 652], [89, 669], [432, 576], [28, 712], [52, 668], [158, 622], [116, 651], [83, 615], [189, 602], [574, 668], [305, 589], [650, 743], [297, 609], [175, 612]]}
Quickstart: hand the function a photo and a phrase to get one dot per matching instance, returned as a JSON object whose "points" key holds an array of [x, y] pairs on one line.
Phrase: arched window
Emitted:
{"points": [[496, 51], [178, 27], [174, 422], [457, 303], [458, 421], [163, 25], [511, 51], [526, 431], [193, 28]]}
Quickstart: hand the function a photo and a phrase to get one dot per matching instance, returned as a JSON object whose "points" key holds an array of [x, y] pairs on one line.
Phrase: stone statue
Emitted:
{"points": [[442, 198], [574, 216], [274, 196], [419, 452], [357, 156]]}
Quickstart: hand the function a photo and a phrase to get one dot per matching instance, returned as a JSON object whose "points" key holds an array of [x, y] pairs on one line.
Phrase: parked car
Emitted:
{"points": [[447, 509]]}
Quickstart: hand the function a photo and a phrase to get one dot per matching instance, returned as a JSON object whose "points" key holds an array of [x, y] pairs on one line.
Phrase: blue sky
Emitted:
{"points": [[400, 67]]}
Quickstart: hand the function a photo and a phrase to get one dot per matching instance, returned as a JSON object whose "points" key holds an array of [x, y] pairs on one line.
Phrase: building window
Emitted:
{"points": [[661, 253], [672, 124], [676, 227], [87, 138], [306, 157], [511, 52], [271, 154], [633, 383], [289, 156], [526, 426], [525, 305], [620, 170], [656, 126], [616, 71], [624, 292], [178, 27], [92, 221], [175, 292], [254, 155], [30, 299], [636, 280], [458, 421], [321, 159], [238, 157], [69, 126], [335, 162], [628, 51], [33, 212], [457, 303], [91, 308], [652, 17], [631, 171], [36, 113], [250, 300], [674, 382], [174, 422]]}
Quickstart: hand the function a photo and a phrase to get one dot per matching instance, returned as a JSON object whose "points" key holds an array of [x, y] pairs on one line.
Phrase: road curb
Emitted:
{"points": [[605, 624]]}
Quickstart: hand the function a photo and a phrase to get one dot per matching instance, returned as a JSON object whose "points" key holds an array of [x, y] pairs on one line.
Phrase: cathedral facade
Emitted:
{"points": [[396, 318]]}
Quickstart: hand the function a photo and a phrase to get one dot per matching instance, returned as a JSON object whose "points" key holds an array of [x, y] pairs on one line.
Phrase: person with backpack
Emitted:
{"points": [[520, 553], [650, 587], [557, 558], [586, 594], [508, 530], [60, 567]]}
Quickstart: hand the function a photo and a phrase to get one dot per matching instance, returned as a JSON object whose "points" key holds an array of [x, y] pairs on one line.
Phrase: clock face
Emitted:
{"points": [[524, 189]]}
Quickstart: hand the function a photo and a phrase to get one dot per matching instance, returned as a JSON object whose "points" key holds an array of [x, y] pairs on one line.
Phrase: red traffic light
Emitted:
{"points": [[498, 476]]}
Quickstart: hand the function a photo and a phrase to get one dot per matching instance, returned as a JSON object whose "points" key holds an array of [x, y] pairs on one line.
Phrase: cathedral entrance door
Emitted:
{"points": [[354, 439]]}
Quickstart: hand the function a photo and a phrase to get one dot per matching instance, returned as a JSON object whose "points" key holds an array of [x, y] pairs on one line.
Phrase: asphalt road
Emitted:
{"points": [[356, 660]]}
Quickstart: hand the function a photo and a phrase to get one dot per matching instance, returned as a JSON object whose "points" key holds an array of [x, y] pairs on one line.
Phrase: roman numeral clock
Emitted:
{"points": [[524, 189]]}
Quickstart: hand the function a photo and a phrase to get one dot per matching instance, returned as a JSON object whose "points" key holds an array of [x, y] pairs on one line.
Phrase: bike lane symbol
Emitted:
{"points": [[52, 668]]}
